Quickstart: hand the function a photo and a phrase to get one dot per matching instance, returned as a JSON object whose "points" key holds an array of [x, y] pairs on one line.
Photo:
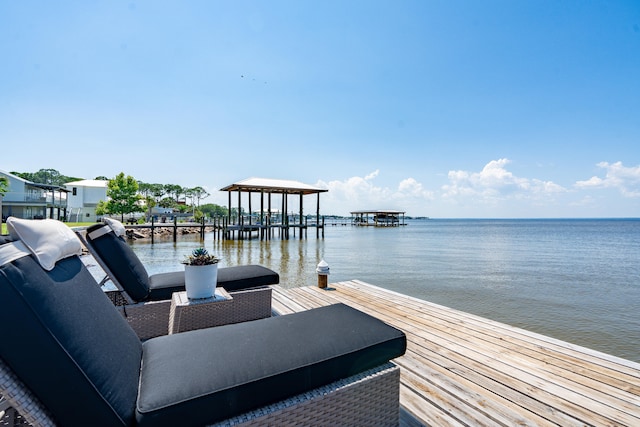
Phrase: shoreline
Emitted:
{"points": [[135, 233]]}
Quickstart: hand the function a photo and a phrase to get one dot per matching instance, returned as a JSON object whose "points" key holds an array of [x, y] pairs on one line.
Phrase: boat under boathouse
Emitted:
{"points": [[273, 214], [378, 218]]}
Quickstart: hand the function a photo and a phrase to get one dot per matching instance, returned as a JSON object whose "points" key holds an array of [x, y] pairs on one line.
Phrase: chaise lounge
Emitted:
{"points": [[68, 358], [145, 299]]}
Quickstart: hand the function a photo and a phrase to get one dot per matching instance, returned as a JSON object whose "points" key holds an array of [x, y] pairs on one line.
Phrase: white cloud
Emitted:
{"points": [[545, 187], [494, 190], [411, 188], [494, 182], [372, 175], [362, 193], [592, 182], [624, 179]]}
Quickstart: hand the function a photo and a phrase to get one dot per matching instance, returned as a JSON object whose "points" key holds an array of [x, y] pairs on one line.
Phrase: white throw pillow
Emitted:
{"points": [[116, 226], [48, 239]]}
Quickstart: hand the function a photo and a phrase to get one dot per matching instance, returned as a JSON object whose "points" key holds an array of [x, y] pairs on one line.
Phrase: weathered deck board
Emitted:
{"points": [[462, 369]]}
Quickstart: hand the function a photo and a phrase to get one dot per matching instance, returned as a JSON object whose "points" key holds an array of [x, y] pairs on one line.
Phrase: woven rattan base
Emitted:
{"points": [[25, 408], [370, 398]]}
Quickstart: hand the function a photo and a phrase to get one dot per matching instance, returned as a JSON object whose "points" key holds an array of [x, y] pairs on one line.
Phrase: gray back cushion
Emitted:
{"points": [[67, 342], [123, 263]]}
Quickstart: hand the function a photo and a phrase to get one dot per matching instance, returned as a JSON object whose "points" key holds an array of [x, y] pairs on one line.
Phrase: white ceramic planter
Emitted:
{"points": [[200, 280]]}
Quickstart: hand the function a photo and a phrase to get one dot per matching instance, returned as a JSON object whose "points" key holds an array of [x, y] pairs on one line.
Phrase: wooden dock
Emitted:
{"points": [[464, 370]]}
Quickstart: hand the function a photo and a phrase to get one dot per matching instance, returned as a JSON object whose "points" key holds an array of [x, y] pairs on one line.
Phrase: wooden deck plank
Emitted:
{"points": [[523, 371], [446, 367], [558, 347], [462, 369], [569, 396]]}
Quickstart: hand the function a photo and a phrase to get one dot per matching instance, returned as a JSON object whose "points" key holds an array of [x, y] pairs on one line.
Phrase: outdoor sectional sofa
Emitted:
{"points": [[67, 356], [145, 300]]}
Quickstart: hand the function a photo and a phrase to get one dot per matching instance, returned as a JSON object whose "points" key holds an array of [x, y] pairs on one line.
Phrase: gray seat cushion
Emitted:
{"points": [[246, 276], [216, 373], [236, 278]]}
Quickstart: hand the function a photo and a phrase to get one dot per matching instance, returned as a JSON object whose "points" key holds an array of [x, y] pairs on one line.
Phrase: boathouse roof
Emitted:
{"points": [[378, 211], [273, 186]]}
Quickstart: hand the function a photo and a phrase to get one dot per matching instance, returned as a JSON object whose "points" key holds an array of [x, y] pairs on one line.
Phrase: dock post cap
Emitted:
{"points": [[322, 268]]}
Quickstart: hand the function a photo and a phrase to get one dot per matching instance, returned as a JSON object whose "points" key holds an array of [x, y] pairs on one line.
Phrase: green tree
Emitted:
{"points": [[151, 203], [167, 202], [212, 210], [4, 185], [46, 176], [196, 194], [123, 197], [158, 191], [173, 190], [101, 208], [197, 215], [182, 208], [146, 190]]}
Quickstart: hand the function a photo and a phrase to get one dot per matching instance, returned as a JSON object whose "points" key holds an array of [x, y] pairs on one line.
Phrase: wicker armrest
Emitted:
{"points": [[147, 319], [251, 304]]}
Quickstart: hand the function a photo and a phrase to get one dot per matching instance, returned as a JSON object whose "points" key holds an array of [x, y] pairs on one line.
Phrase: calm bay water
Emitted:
{"points": [[575, 280]]}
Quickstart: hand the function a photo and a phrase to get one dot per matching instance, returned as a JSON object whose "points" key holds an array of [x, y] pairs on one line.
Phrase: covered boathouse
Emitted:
{"points": [[378, 218], [273, 214]]}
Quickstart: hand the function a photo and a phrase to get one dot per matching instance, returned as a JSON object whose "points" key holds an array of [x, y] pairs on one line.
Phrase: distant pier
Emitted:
{"points": [[378, 218]]}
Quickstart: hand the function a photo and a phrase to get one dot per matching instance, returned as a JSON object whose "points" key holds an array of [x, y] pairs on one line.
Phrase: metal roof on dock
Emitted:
{"points": [[269, 185], [379, 211]]}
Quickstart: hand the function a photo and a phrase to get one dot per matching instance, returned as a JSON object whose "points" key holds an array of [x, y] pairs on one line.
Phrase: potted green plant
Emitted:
{"points": [[200, 274]]}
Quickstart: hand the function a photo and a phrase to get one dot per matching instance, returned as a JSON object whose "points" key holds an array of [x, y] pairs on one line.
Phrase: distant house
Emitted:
{"points": [[84, 196], [30, 200]]}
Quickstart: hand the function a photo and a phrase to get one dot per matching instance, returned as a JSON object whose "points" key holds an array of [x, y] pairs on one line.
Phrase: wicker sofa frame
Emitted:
{"points": [[369, 398]]}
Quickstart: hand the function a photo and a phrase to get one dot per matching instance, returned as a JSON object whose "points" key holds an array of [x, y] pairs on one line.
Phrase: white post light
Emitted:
{"points": [[323, 271]]}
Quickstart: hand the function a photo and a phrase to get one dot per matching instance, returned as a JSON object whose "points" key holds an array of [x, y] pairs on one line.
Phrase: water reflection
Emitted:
{"points": [[295, 259]]}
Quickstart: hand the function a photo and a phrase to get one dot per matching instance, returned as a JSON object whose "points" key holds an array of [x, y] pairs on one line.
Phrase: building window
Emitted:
{"points": [[75, 191]]}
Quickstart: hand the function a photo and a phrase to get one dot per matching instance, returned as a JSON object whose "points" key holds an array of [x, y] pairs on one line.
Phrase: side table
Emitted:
{"points": [[187, 315]]}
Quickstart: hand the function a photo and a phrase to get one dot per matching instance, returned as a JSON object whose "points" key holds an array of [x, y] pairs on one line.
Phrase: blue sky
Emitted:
{"points": [[439, 108]]}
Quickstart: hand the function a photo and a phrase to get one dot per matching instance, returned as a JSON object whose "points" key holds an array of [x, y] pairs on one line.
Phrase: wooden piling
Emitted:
{"points": [[175, 229], [322, 281]]}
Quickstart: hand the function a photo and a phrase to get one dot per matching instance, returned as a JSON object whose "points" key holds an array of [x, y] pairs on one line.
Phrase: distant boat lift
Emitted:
{"points": [[379, 218]]}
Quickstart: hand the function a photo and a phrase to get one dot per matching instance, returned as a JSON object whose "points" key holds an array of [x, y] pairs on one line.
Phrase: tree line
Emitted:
{"points": [[126, 195]]}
